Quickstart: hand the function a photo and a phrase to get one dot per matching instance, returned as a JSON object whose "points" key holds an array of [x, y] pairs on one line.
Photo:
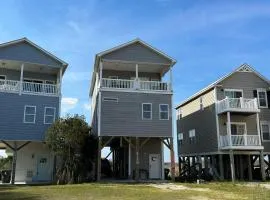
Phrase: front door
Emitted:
{"points": [[154, 166], [43, 168]]}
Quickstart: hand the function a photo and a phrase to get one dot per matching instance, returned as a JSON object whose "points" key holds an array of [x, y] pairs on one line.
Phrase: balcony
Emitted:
{"points": [[237, 105], [29, 88], [135, 85], [240, 142]]}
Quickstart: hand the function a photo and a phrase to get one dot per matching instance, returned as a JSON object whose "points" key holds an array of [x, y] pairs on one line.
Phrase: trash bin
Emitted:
{"points": [[166, 174]]}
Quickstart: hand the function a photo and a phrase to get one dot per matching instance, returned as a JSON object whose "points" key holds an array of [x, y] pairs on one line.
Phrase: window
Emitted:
{"points": [[192, 136], [238, 128], [179, 113], [49, 115], [233, 93], [265, 130], [112, 99], [29, 114], [262, 98], [201, 103], [146, 111], [180, 138], [163, 111]]}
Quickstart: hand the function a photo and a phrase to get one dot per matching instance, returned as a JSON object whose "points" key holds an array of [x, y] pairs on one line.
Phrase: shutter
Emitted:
{"points": [[255, 93], [268, 98]]}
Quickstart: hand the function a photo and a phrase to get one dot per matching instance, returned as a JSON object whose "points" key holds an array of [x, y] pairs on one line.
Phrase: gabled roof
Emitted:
{"points": [[137, 40], [35, 46], [242, 68]]}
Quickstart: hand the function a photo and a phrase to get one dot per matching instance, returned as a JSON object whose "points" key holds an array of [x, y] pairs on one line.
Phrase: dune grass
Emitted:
{"points": [[101, 191]]}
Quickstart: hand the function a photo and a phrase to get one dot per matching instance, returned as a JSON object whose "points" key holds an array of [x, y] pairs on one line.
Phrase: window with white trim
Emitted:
{"points": [[262, 98], [192, 136], [180, 138], [49, 115], [265, 130], [163, 111], [29, 114], [146, 111]]}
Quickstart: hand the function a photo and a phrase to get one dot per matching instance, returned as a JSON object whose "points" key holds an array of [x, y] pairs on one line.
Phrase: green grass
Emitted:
{"points": [[97, 191]]}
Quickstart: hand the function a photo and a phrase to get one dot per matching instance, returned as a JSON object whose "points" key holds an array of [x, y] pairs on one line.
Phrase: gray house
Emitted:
{"points": [[132, 109], [227, 123], [30, 97]]}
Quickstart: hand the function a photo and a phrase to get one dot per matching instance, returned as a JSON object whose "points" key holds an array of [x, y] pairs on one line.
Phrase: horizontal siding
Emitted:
{"points": [[12, 114], [124, 118], [27, 53], [129, 74], [249, 120], [204, 123], [15, 75], [248, 82], [137, 53], [194, 106]]}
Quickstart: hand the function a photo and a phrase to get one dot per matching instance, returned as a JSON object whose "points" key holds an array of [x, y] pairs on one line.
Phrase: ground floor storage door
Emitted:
{"points": [[154, 166], [43, 168]]}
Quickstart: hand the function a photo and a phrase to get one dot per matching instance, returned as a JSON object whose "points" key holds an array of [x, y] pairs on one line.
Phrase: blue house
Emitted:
{"points": [[30, 97]]}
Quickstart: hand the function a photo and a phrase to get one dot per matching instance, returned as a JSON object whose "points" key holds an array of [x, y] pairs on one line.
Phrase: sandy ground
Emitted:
{"points": [[171, 186]]}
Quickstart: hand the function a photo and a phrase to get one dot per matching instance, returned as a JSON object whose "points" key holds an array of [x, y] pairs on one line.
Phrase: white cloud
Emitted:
{"points": [[68, 103]]}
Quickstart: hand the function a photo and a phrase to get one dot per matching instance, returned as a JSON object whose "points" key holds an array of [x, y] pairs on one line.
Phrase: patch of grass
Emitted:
{"points": [[101, 191]]}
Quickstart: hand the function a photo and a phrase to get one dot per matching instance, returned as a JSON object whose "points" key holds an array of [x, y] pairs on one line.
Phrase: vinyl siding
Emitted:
{"points": [[194, 106], [15, 75], [137, 53], [248, 82], [153, 146], [204, 123], [129, 74], [12, 115], [124, 118], [27, 53]]}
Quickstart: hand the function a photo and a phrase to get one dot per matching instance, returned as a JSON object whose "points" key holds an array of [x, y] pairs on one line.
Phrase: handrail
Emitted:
{"points": [[239, 140], [237, 104]]}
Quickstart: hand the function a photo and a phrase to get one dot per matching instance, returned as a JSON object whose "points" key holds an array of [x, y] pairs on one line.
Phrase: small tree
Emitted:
{"points": [[68, 138]]}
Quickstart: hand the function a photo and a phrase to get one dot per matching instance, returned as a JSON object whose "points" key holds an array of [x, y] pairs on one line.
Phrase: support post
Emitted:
{"points": [[206, 162], [137, 72], [221, 167], [137, 147], [171, 79], [129, 160], [172, 160], [241, 167], [99, 159], [250, 168], [262, 165], [14, 161], [21, 79], [59, 90], [258, 127], [229, 131], [232, 166]]}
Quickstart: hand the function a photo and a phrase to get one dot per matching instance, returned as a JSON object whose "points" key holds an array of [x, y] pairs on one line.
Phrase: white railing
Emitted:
{"points": [[28, 87], [153, 85], [9, 85], [38, 88], [133, 84], [117, 83], [239, 140], [237, 104]]}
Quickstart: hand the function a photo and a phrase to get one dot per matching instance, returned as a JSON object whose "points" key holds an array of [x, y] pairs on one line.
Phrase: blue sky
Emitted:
{"points": [[207, 38]]}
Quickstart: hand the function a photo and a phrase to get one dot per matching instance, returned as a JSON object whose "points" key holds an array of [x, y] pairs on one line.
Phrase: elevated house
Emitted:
{"points": [[226, 125], [30, 97], [132, 109]]}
